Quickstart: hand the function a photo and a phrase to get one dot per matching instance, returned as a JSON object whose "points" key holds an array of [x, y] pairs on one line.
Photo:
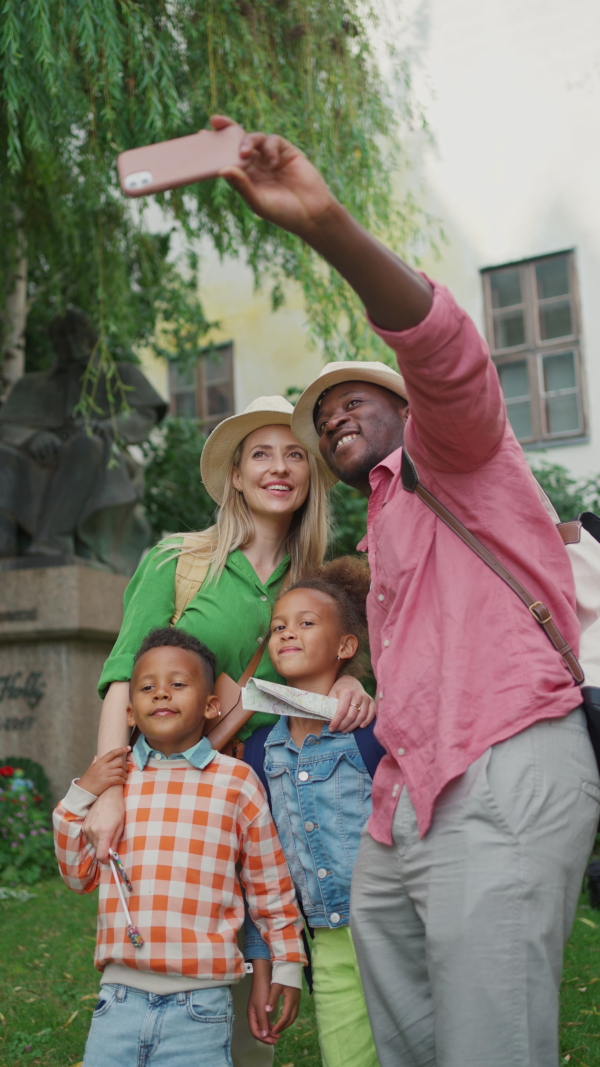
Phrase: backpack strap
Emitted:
{"points": [[539, 611], [369, 747], [591, 523], [190, 574], [570, 531]]}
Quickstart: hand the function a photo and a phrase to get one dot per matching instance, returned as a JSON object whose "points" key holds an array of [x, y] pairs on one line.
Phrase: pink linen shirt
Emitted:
{"points": [[459, 661]]}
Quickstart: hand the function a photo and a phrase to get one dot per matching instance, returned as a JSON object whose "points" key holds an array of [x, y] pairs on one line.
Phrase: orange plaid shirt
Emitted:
{"points": [[185, 832]]}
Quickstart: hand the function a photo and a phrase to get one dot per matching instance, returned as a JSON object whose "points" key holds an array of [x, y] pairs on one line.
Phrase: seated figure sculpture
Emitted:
{"points": [[69, 486]]}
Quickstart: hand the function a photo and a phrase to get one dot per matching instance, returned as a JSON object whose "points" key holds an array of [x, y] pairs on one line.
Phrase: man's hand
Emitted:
{"points": [[263, 1001], [278, 181], [355, 706], [103, 824], [44, 447], [280, 184], [106, 771]]}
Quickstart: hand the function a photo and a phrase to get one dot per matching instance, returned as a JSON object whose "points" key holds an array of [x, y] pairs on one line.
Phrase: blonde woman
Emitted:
{"points": [[272, 519]]}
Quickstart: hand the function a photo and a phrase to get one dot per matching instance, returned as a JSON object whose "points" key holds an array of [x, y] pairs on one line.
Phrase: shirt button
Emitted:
{"points": [[385, 644], [395, 790], [321, 873], [381, 694], [158, 755], [264, 598], [381, 597], [334, 917], [303, 776], [401, 751], [309, 826], [259, 640]]}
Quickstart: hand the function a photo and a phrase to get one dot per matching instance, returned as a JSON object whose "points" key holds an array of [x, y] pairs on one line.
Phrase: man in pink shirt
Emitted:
{"points": [[486, 805]]}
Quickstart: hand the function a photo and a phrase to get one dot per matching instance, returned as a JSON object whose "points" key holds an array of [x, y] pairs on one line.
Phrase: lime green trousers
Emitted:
{"points": [[345, 1034]]}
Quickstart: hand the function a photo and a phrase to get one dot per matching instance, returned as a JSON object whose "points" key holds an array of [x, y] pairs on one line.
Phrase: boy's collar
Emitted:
{"points": [[199, 755]]}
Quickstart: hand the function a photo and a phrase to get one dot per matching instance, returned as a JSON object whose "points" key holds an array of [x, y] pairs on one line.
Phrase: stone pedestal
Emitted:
{"points": [[57, 626]]}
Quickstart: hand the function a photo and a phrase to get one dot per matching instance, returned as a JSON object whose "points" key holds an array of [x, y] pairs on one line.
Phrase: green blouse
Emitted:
{"points": [[230, 616]]}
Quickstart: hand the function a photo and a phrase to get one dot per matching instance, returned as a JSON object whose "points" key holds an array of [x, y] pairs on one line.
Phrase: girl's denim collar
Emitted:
{"points": [[280, 734]]}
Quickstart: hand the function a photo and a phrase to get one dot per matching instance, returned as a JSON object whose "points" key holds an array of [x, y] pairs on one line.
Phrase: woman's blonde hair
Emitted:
{"points": [[306, 541]]}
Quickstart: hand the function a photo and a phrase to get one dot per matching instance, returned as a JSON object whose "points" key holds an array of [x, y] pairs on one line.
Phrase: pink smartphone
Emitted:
{"points": [[157, 167]]}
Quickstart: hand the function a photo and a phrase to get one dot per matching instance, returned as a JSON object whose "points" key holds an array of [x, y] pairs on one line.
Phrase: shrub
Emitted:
{"points": [[349, 511], [35, 773], [570, 496], [174, 496], [26, 842]]}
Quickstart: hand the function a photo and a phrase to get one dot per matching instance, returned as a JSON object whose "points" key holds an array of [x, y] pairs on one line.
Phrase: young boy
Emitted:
{"points": [[192, 814]]}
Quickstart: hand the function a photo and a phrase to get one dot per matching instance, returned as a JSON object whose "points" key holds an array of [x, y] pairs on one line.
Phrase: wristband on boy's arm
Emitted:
{"points": [[286, 973], [78, 801]]}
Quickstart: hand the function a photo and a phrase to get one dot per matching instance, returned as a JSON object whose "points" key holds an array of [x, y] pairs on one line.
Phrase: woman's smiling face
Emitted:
{"points": [[273, 473]]}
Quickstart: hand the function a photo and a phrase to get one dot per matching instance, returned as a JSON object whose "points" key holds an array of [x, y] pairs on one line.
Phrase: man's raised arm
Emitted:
{"points": [[281, 185]]}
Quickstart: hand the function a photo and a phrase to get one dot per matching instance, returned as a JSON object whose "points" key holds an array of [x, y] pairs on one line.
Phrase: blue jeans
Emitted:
{"points": [[131, 1028]]}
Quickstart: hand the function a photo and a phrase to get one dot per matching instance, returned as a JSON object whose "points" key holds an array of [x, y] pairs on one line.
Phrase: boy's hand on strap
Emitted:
{"points": [[103, 825], [355, 706], [263, 1002]]}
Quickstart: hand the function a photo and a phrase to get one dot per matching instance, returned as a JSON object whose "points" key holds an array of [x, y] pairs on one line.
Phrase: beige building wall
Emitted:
{"points": [[272, 350]]}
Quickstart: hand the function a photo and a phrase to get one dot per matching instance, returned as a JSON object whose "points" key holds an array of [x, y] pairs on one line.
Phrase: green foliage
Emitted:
{"points": [[570, 496], [175, 498], [349, 509], [84, 79], [26, 843]]}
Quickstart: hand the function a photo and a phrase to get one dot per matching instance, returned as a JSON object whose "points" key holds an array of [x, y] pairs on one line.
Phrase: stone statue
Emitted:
{"points": [[65, 489]]}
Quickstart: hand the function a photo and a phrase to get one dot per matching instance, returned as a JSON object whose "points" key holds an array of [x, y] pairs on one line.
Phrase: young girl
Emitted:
{"points": [[320, 791]]}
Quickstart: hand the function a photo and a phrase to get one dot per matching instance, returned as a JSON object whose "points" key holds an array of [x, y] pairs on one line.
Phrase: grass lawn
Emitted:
{"points": [[580, 997], [48, 986]]}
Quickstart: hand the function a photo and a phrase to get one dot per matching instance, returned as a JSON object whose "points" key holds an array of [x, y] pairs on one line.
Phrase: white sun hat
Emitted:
{"points": [[219, 450], [303, 426]]}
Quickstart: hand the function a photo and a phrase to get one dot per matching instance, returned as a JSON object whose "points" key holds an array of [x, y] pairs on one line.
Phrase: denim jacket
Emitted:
{"points": [[320, 800]]}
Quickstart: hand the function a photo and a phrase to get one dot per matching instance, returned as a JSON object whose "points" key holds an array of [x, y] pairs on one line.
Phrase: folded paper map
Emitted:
{"points": [[285, 700]]}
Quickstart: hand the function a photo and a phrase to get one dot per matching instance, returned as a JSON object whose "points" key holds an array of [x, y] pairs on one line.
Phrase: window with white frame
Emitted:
{"points": [[204, 390], [532, 322]]}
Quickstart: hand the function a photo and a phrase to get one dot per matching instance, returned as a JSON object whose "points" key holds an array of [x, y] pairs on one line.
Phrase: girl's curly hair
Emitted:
{"points": [[346, 580]]}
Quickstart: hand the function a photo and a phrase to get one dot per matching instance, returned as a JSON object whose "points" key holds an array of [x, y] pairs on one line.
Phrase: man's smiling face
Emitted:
{"points": [[359, 424]]}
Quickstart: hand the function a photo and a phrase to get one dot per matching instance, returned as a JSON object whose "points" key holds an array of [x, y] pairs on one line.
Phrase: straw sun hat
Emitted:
{"points": [[303, 426], [219, 450]]}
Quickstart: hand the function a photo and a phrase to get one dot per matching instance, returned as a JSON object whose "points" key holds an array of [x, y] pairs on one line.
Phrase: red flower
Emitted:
{"points": [[7, 771]]}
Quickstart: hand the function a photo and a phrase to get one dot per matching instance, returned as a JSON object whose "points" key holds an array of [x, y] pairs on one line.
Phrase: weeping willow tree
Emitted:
{"points": [[81, 80]]}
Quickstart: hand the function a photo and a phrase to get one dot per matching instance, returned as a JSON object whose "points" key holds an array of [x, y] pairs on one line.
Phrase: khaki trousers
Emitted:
{"points": [[460, 935]]}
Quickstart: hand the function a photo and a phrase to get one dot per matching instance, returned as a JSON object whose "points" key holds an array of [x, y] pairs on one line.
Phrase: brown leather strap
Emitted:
{"points": [[226, 727], [258, 655], [541, 614], [570, 531], [255, 661]]}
